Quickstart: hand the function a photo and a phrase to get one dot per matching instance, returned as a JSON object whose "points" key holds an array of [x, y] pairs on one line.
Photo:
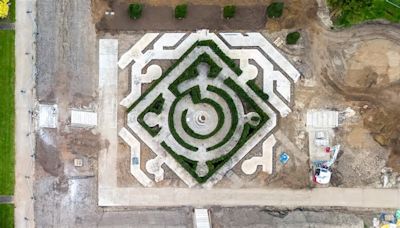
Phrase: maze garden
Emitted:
{"points": [[205, 112]]}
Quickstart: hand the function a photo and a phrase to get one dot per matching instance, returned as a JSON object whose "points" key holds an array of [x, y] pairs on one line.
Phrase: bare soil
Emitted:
{"points": [[161, 18]]}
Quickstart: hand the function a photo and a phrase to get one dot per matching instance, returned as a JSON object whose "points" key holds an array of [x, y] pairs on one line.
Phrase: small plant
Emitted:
{"points": [[135, 10], [180, 11], [275, 10], [292, 38], [229, 11], [4, 8]]}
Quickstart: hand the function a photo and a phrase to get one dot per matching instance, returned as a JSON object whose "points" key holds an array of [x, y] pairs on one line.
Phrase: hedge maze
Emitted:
{"points": [[201, 116], [207, 113]]}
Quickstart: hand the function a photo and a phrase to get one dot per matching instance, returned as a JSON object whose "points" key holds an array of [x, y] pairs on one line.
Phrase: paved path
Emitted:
{"points": [[7, 26], [318, 197], [24, 167], [6, 199]]}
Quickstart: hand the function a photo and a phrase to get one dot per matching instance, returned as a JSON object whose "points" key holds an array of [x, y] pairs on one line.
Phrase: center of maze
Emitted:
{"points": [[203, 114]]}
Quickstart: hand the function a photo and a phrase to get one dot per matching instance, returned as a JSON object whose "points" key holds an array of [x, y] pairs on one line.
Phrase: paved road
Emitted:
{"points": [[318, 197], [24, 167]]}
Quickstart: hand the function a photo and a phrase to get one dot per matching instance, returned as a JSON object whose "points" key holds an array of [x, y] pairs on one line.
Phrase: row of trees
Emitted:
{"points": [[274, 10]]}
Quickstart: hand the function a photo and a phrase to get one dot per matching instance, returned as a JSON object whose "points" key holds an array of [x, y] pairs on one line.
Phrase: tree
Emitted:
{"points": [[275, 10], [180, 11], [4, 8], [292, 38], [229, 11], [135, 10]]}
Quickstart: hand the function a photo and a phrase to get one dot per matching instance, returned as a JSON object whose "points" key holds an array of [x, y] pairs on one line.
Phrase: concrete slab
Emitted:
{"points": [[108, 89], [48, 116], [265, 161], [279, 197], [83, 118]]}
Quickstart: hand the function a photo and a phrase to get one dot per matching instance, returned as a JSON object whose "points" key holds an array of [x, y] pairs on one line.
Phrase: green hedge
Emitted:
{"points": [[257, 90], [186, 163], [156, 106], [231, 64], [191, 72], [275, 9], [180, 11], [245, 97], [229, 11], [292, 38], [135, 10], [233, 111], [171, 123], [213, 165], [209, 43]]}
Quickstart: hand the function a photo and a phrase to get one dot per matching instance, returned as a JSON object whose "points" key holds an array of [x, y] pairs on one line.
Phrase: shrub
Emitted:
{"points": [[156, 106], [229, 11], [292, 38], [180, 11], [135, 10], [4, 8], [275, 10]]}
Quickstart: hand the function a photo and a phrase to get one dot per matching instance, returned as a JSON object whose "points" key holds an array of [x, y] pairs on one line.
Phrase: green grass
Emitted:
{"points": [[6, 215], [7, 62], [11, 14], [347, 13]]}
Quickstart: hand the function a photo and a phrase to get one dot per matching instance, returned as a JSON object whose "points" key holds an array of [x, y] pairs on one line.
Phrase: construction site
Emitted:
{"points": [[147, 122]]}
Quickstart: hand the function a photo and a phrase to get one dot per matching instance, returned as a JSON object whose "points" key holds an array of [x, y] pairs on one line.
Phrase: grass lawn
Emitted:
{"points": [[7, 63], [11, 14], [346, 15], [6, 215]]}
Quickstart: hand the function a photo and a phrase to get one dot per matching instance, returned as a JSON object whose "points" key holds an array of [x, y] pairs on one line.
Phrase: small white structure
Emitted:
{"points": [[320, 124], [322, 119], [83, 118], [78, 162], [48, 115], [201, 218]]}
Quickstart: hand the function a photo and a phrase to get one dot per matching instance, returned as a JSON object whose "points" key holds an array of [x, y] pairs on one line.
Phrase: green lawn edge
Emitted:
{"points": [[6, 215], [7, 113]]}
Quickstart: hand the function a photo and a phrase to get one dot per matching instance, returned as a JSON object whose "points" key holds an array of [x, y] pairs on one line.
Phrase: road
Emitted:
{"points": [[24, 140], [318, 197]]}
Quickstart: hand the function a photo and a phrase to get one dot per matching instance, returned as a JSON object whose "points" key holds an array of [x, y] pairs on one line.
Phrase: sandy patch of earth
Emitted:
{"points": [[376, 62]]}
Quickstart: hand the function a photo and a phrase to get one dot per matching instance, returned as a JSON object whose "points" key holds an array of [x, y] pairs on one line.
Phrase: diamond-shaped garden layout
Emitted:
{"points": [[200, 113]]}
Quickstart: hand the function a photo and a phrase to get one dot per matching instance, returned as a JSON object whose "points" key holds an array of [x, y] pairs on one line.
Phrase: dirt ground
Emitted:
{"points": [[161, 18], [158, 15]]}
